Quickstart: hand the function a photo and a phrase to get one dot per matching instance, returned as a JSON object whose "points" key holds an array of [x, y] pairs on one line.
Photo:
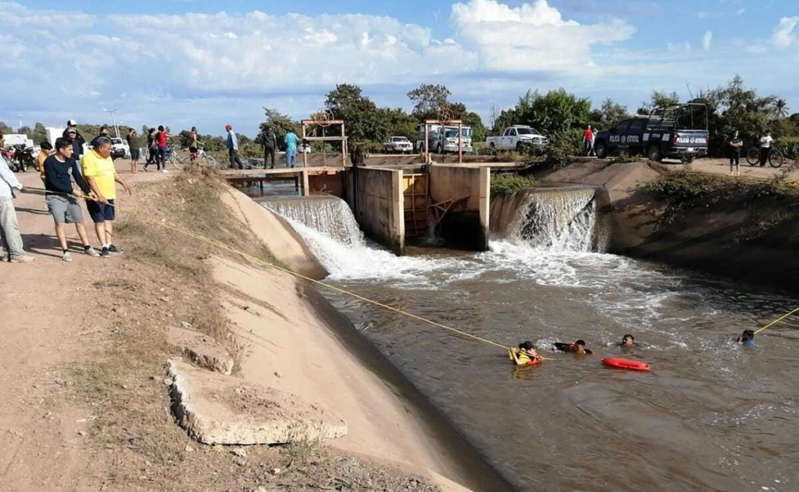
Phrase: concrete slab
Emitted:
{"points": [[201, 349], [218, 409]]}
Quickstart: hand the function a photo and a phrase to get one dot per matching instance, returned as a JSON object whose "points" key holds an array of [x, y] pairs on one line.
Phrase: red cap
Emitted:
{"points": [[228, 127]]}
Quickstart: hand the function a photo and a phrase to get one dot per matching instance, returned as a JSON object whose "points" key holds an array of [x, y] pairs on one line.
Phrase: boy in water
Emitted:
{"points": [[525, 355], [747, 338], [577, 347], [627, 341]]}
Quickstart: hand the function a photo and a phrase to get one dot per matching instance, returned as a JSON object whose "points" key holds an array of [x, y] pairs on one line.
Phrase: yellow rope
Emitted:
{"points": [[776, 320], [326, 285]]}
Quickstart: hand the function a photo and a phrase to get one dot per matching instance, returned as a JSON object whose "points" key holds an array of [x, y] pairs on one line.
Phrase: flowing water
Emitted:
{"points": [[710, 415]]}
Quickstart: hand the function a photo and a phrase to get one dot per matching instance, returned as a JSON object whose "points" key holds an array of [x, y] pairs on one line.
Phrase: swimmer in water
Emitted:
{"points": [[747, 338], [525, 355], [577, 347], [627, 341]]}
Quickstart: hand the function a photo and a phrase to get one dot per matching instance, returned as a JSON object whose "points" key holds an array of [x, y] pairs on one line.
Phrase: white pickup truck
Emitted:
{"points": [[517, 137]]}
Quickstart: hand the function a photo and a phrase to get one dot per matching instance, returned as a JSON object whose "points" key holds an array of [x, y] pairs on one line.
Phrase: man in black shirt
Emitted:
{"points": [[60, 169], [269, 142]]}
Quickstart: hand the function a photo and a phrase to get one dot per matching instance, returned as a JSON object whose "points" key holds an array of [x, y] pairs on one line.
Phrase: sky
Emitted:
{"points": [[186, 63]]}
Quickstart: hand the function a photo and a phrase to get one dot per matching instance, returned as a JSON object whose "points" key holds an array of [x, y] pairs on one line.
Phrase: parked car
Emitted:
{"points": [[397, 144], [119, 148], [672, 132], [517, 137]]}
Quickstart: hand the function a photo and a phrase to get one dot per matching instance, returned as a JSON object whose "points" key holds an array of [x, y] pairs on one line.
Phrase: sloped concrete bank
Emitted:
{"points": [[743, 229], [296, 344]]}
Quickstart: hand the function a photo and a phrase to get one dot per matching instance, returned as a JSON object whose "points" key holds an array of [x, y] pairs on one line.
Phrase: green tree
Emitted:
{"points": [[5, 129], [611, 114], [279, 123], [363, 120], [39, 133], [431, 101], [556, 111]]}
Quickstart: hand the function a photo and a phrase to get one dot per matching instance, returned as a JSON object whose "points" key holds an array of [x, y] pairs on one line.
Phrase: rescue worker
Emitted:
{"points": [[578, 347]]}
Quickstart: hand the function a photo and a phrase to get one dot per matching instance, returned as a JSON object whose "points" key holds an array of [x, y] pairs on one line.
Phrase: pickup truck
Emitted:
{"points": [[517, 137], [668, 134]]}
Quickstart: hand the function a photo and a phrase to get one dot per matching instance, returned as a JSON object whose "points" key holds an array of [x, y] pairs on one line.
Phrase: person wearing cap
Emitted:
{"points": [[233, 147], [75, 137], [9, 226], [101, 175]]}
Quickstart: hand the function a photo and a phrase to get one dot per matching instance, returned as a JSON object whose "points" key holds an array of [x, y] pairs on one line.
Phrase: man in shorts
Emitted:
{"points": [[61, 177], [101, 176]]}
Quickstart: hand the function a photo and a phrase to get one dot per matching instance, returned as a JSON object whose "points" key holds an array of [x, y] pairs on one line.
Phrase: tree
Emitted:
{"points": [[363, 120], [430, 101], [611, 114], [278, 122], [555, 112], [5, 129], [39, 133]]}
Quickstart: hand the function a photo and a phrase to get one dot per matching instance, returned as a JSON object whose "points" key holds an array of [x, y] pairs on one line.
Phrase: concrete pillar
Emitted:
{"points": [[485, 203], [398, 212], [306, 190]]}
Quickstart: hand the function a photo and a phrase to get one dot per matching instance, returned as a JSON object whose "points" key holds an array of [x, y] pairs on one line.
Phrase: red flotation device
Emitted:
{"points": [[533, 362], [632, 365]]}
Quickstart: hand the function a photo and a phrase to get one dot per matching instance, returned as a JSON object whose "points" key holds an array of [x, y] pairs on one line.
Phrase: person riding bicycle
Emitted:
{"points": [[765, 148]]}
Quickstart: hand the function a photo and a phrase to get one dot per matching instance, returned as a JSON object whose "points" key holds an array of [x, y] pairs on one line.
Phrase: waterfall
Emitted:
{"points": [[329, 215], [559, 219]]}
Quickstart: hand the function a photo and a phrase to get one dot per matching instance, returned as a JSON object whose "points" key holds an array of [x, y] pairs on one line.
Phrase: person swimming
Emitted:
{"points": [[525, 355], [627, 341], [747, 338], [578, 347]]}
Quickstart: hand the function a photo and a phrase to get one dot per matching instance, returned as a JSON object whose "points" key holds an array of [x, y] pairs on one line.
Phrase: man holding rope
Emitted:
{"points": [[60, 170], [9, 227], [101, 175]]}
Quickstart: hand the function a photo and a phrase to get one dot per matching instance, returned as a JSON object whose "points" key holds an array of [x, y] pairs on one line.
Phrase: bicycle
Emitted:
{"points": [[776, 157]]}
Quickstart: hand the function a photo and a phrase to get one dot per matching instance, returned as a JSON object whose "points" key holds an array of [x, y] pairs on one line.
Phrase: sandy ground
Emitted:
{"points": [[722, 167]]}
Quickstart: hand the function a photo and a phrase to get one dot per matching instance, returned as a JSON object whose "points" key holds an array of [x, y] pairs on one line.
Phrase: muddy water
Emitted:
{"points": [[711, 414]]}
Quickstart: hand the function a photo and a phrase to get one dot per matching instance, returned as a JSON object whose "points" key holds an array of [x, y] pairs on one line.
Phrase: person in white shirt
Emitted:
{"points": [[765, 148], [9, 227]]}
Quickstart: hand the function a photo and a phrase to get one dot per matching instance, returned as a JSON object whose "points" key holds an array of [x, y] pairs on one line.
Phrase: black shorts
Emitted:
{"points": [[134, 154], [100, 212]]}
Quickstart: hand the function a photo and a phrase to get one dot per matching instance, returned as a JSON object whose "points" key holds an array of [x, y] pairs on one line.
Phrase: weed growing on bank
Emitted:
{"points": [[770, 203], [508, 184]]}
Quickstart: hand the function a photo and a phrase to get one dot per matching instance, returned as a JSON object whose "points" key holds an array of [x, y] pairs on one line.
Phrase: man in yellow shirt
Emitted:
{"points": [[101, 176]]}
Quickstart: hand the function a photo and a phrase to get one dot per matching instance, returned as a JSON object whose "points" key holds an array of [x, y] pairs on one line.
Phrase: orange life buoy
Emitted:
{"points": [[632, 365]]}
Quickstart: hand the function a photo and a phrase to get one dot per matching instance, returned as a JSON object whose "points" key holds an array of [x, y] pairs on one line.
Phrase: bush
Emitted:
{"points": [[508, 184], [562, 146]]}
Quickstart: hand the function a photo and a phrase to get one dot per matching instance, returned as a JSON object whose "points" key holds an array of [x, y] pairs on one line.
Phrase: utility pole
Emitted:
{"points": [[113, 120]]}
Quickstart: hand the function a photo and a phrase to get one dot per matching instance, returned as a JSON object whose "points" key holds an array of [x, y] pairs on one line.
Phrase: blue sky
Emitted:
{"points": [[184, 63]]}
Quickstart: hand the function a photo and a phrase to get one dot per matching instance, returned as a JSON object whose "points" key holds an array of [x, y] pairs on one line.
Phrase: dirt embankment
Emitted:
{"points": [[85, 396], [740, 227]]}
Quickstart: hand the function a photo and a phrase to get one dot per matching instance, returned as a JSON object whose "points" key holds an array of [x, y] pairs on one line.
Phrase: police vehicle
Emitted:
{"points": [[678, 132]]}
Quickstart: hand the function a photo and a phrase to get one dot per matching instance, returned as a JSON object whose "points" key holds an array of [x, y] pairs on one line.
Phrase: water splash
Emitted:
{"points": [[327, 214], [551, 219]]}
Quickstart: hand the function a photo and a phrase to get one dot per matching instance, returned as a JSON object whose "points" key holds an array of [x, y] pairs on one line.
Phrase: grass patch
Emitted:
{"points": [[508, 184], [770, 202]]}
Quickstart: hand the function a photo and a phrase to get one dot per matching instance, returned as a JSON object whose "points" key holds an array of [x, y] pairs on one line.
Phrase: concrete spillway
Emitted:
{"points": [[564, 219], [329, 215]]}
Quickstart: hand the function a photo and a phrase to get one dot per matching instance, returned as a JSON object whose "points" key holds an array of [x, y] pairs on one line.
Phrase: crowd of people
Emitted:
{"points": [[69, 175]]}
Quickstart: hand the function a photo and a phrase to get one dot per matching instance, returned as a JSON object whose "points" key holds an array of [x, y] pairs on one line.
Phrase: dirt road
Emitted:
{"points": [[722, 167], [43, 328]]}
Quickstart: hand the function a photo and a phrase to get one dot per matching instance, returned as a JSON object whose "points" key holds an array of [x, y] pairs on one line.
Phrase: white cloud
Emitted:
{"points": [[784, 36], [531, 37], [706, 40]]}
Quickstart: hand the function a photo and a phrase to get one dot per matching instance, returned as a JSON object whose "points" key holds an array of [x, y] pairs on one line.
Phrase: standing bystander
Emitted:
{"points": [[9, 227], [60, 171], [75, 137], [765, 148], [269, 141], [161, 139], [588, 140], [290, 140], [735, 143], [101, 175], [233, 147], [134, 144]]}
